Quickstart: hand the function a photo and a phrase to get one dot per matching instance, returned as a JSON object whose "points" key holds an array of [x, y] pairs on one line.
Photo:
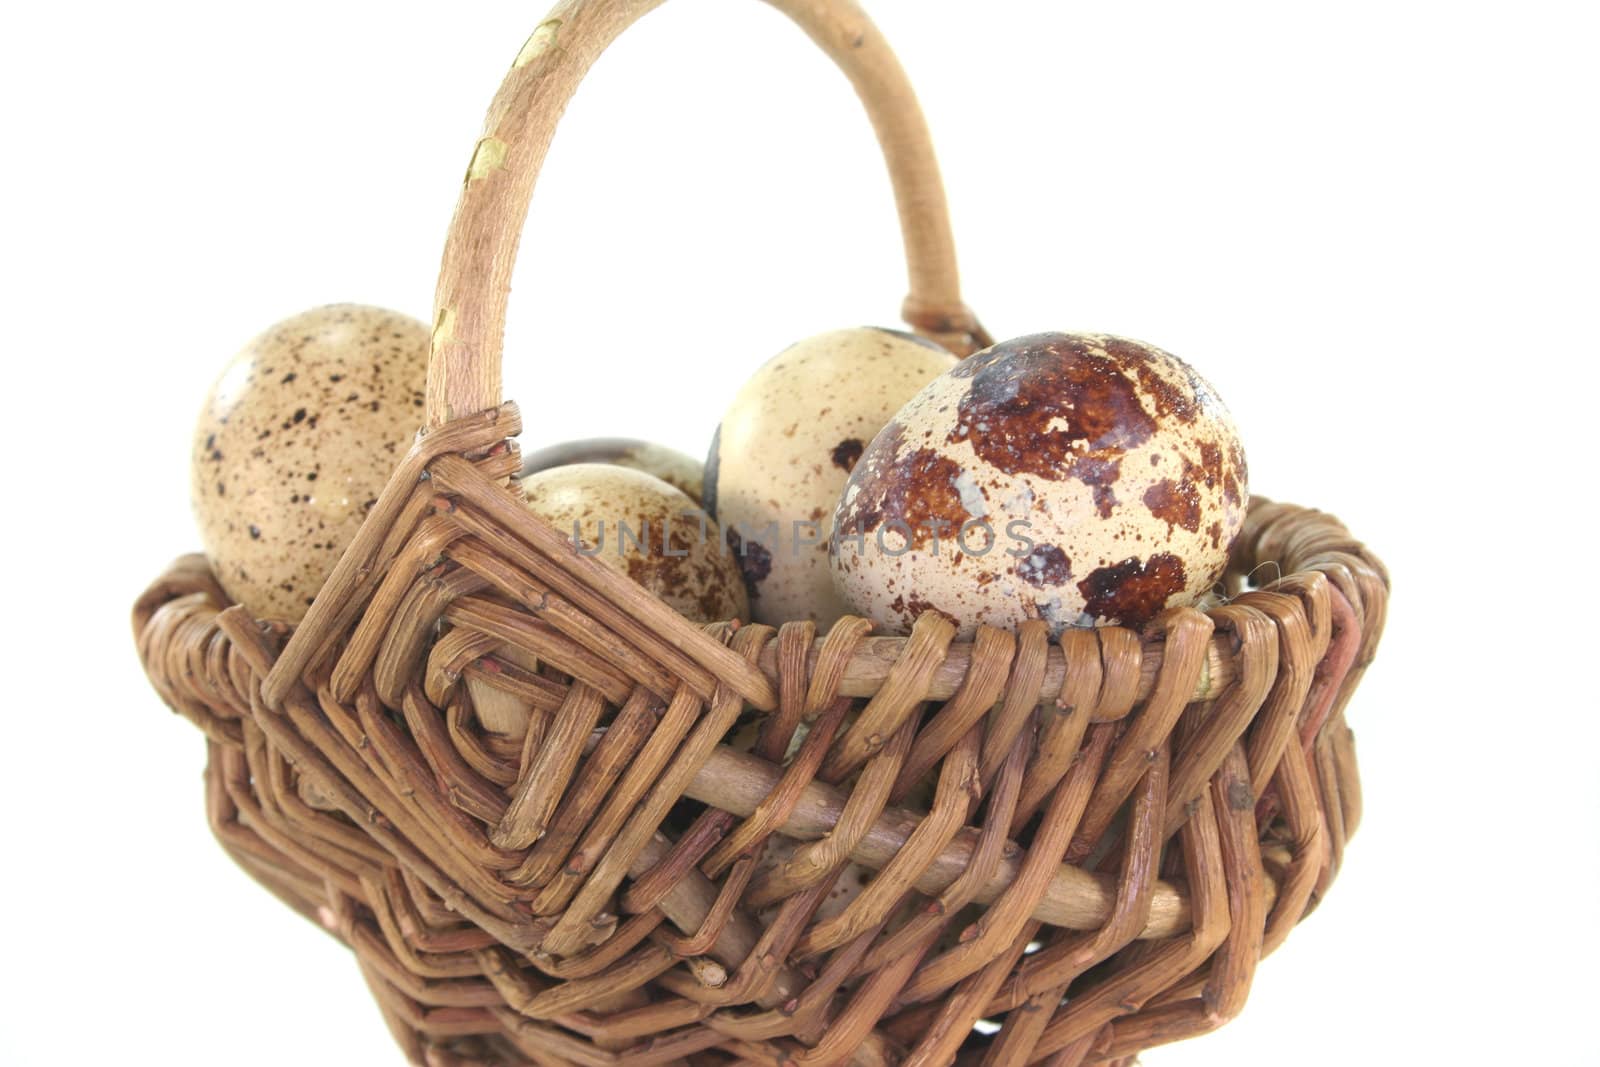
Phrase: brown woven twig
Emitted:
{"points": [[500, 771]]}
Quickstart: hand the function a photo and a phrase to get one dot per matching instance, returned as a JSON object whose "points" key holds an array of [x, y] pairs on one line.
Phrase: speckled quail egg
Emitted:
{"points": [[668, 464], [644, 528], [295, 442], [785, 447], [845, 888], [1079, 478]]}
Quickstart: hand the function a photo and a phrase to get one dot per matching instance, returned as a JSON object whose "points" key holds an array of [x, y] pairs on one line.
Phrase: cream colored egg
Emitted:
{"points": [[1079, 478], [297, 439], [644, 528], [668, 464], [785, 448]]}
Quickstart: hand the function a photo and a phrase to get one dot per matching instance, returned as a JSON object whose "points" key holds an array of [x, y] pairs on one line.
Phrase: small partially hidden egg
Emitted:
{"points": [[670, 465], [1082, 479], [783, 451], [846, 886], [296, 440], [640, 526]]}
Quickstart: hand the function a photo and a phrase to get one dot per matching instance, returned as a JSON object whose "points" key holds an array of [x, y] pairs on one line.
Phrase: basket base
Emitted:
{"points": [[372, 800]]}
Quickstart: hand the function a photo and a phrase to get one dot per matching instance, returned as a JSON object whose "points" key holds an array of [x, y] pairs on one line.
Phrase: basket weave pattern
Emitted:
{"points": [[1133, 819], [1080, 848]]}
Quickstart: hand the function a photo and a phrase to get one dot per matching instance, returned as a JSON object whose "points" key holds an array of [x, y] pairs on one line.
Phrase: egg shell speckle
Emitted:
{"points": [[668, 464], [663, 548], [1079, 478], [297, 438], [788, 443]]}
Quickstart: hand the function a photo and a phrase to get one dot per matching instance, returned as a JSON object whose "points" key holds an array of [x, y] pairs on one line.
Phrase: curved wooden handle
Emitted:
{"points": [[475, 278]]}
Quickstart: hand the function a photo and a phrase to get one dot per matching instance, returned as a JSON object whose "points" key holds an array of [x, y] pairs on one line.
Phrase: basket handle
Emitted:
{"points": [[480, 251]]}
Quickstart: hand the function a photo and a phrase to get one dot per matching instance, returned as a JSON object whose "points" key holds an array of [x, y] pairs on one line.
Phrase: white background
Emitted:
{"points": [[1373, 225]]}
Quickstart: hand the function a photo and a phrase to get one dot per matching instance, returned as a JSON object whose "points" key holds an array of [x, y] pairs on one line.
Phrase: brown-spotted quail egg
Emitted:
{"points": [[670, 465], [642, 527], [786, 446], [845, 888], [1079, 478], [296, 440]]}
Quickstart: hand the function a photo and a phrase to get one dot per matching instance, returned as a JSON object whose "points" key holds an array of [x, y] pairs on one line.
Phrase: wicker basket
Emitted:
{"points": [[1123, 822]]}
